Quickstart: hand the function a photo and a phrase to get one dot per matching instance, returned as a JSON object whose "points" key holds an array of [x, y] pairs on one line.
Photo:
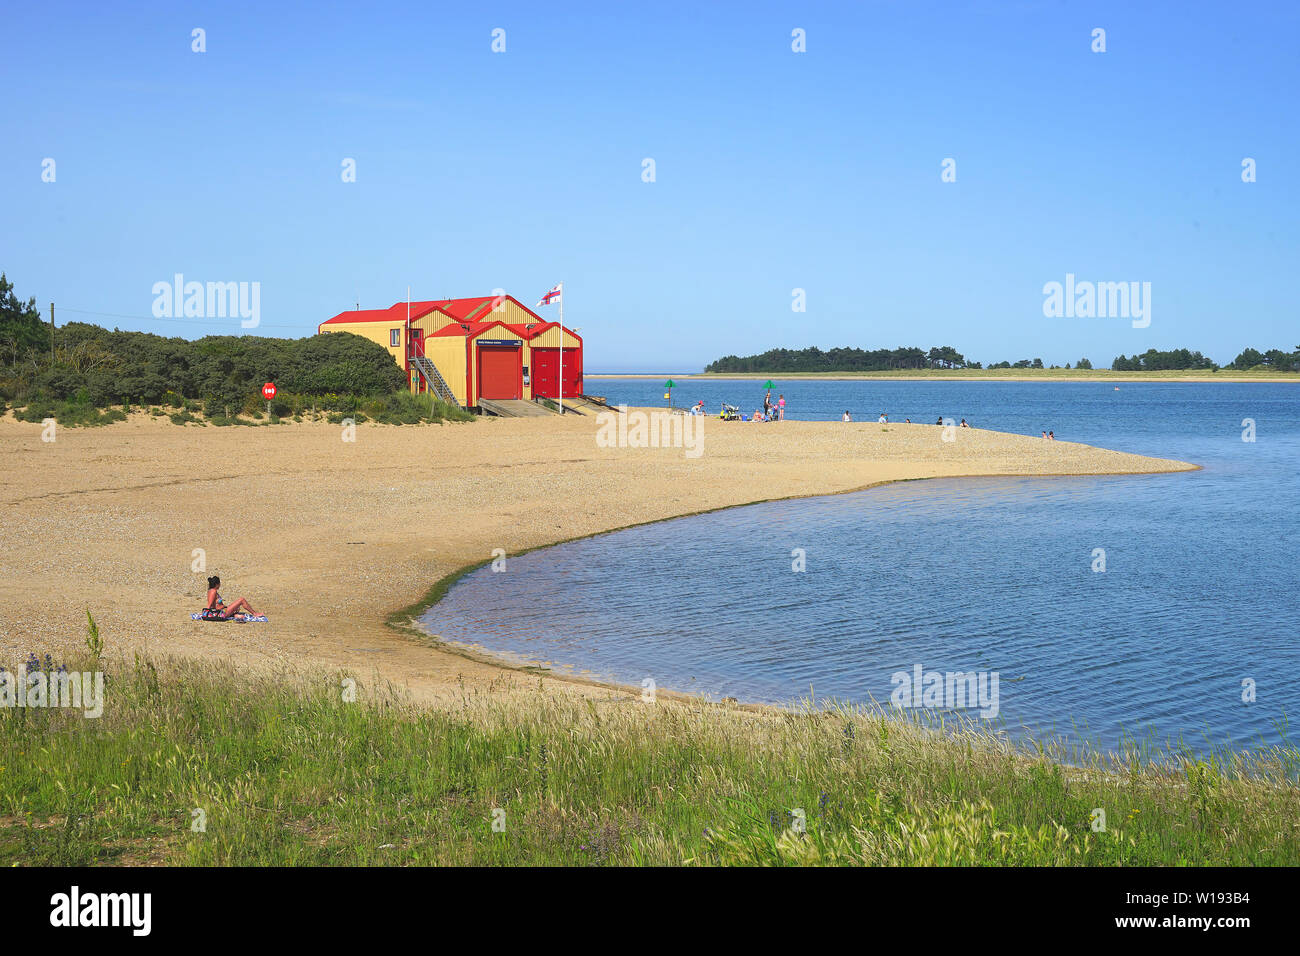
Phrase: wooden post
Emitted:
{"points": [[51, 332]]}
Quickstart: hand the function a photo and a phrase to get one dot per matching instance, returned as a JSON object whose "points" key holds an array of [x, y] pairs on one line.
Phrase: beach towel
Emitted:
{"points": [[237, 618]]}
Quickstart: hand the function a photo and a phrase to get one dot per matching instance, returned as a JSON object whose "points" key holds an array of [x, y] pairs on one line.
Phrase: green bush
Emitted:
{"points": [[112, 367], [91, 369], [68, 413]]}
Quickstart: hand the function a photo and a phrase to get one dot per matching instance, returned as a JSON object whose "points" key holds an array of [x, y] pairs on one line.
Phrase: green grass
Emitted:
{"points": [[403, 408], [287, 772], [69, 413], [397, 408]]}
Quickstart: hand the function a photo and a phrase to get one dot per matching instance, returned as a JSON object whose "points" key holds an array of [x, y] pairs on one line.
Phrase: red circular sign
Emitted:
{"points": [[268, 391]]}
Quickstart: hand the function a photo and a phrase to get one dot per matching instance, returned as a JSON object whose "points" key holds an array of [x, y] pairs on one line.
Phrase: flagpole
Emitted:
{"points": [[561, 287]]}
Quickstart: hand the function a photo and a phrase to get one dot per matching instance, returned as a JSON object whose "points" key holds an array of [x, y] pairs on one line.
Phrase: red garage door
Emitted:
{"points": [[498, 373], [546, 364]]}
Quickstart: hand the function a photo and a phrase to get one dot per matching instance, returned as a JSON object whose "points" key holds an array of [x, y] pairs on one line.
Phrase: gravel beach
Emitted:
{"points": [[328, 537]]}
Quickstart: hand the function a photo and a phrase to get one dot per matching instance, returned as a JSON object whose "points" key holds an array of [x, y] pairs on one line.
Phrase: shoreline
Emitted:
{"points": [[405, 621], [1237, 378], [332, 537]]}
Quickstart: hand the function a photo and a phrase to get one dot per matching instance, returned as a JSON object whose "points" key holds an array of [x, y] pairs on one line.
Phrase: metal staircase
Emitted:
{"points": [[433, 379]]}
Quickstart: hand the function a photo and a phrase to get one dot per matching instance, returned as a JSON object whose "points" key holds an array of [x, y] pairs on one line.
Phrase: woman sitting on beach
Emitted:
{"points": [[758, 416], [847, 416], [218, 608]]}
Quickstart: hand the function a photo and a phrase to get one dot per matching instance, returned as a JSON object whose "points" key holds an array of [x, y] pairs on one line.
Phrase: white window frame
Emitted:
{"points": [[394, 338]]}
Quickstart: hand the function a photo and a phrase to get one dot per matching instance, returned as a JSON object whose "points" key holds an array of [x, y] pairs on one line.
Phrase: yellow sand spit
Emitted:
{"points": [[329, 537]]}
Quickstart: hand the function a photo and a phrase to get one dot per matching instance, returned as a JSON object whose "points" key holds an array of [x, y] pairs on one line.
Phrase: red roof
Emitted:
{"points": [[524, 332], [360, 315], [472, 311], [538, 328], [456, 328], [418, 309], [463, 309]]}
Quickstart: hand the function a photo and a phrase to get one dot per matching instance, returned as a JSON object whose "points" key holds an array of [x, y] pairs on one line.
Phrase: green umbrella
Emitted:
{"points": [[668, 384], [769, 384]]}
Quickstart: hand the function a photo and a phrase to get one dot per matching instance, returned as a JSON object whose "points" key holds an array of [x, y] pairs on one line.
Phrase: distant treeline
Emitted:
{"points": [[841, 360], [1275, 360], [945, 357]]}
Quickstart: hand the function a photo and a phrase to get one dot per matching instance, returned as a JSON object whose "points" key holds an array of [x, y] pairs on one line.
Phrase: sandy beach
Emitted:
{"points": [[329, 537]]}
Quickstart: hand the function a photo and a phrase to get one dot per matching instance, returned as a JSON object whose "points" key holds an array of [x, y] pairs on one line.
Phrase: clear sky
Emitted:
{"points": [[774, 170]]}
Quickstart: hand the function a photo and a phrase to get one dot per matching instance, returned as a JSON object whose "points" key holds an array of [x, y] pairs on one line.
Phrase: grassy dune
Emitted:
{"points": [[286, 772]]}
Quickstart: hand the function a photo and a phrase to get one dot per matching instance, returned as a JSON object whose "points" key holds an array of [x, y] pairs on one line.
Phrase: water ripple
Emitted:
{"points": [[1197, 596]]}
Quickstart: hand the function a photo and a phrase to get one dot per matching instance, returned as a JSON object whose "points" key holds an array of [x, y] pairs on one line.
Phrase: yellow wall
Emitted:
{"points": [[510, 312], [447, 352], [434, 321], [375, 332], [430, 323], [380, 332], [550, 339]]}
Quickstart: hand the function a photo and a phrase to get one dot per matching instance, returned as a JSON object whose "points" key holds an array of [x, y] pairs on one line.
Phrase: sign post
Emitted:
{"points": [[268, 393], [561, 389], [668, 395]]}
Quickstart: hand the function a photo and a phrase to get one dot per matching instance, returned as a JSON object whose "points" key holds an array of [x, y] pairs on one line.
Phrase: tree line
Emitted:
{"points": [[842, 360], [103, 367], [1276, 360], [813, 359]]}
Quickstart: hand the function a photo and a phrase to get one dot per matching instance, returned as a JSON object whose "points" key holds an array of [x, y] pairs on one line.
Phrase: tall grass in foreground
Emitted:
{"points": [[282, 771]]}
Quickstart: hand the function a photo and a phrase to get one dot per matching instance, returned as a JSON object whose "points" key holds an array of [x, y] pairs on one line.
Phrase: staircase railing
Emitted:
{"points": [[433, 379]]}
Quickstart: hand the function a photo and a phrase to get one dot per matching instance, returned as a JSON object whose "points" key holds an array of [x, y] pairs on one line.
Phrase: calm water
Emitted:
{"points": [[1199, 590]]}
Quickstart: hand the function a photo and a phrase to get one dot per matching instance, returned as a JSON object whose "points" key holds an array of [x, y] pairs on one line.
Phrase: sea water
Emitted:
{"points": [[1184, 631]]}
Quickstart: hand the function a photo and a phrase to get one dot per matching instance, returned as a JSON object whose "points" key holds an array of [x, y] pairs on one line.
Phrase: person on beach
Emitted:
{"points": [[883, 419], [781, 408], [939, 421], [758, 416], [1044, 434], [219, 608], [847, 417], [963, 424], [1051, 436]]}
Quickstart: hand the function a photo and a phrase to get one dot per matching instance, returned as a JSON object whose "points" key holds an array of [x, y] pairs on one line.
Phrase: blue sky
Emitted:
{"points": [[774, 170]]}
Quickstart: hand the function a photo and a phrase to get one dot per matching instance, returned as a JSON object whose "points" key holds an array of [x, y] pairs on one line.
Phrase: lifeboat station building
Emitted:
{"points": [[465, 350]]}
